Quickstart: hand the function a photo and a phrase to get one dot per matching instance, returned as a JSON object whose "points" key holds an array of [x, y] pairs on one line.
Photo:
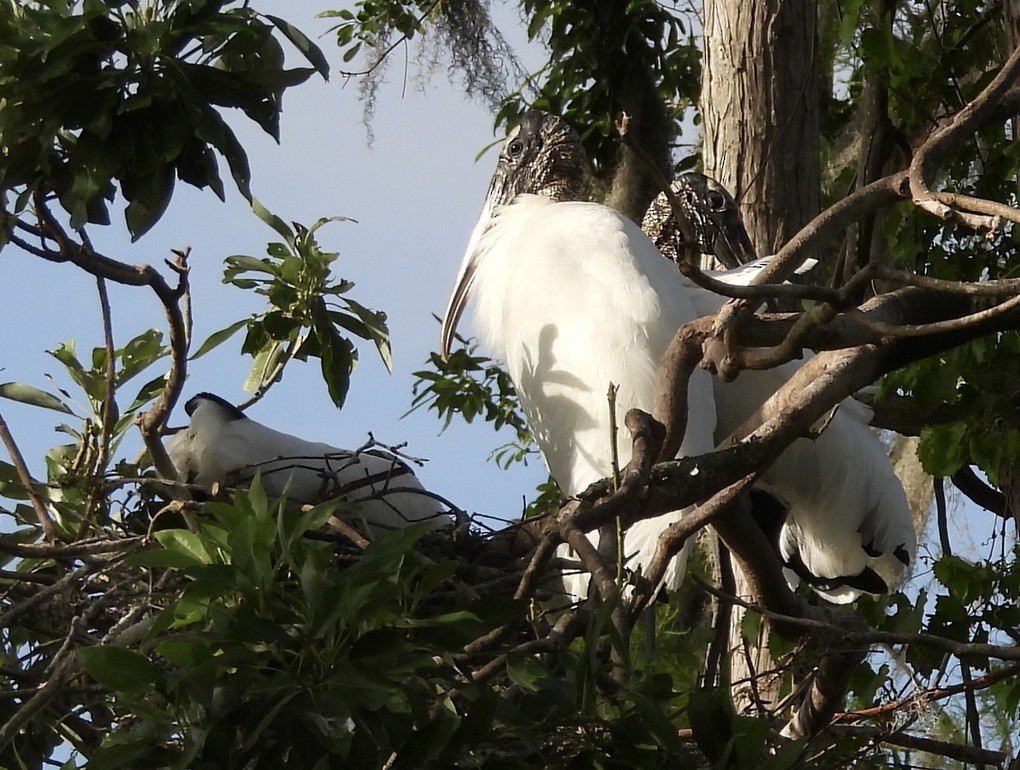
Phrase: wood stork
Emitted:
{"points": [[848, 527], [722, 239], [223, 445], [573, 296]]}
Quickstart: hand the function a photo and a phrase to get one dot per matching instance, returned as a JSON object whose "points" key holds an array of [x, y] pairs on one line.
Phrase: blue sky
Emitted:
{"points": [[415, 194]]}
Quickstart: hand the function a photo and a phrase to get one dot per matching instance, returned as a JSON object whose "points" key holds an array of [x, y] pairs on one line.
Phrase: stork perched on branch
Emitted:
{"points": [[574, 297], [848, 528], [222, 445]]}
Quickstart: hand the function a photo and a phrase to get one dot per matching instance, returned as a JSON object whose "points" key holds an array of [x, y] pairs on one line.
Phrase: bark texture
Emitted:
{"points": [[760, 113]]}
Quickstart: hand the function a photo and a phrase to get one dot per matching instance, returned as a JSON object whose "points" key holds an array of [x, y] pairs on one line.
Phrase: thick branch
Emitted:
{"points": [[967, 754], [967, 481]]}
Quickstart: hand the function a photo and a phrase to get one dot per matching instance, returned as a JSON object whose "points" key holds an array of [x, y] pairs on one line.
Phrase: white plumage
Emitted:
{"points": [[222, 445], [848, 527], [574, 297]]}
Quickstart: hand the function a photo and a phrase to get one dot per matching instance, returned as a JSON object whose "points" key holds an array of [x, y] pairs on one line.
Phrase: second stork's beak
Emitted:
{"points": [[733, 246]]}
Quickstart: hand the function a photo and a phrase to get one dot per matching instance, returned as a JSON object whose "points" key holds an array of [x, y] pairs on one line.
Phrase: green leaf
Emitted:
{"points": [[27, 394], [219, 337], [298, 39], [272, 220], [941, 450], [164, 558], [711, 714], [264, 365], [240, 263], [337, 362], [187, 545], [119, 669], [375, 329]]}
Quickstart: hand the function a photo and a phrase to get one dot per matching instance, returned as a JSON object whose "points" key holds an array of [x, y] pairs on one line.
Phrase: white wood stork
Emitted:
{"points": [[223, 445], [573, 297], [848, 527]]}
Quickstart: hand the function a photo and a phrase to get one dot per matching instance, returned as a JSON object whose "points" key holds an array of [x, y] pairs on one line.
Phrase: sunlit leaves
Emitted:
{"points": [[143, 107], [597, 54], [470, 385], [288, 658], [310, 315]]}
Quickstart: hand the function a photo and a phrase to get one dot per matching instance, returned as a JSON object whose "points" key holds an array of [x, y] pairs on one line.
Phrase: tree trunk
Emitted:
{"points": [[632, 186], [760, 112]]}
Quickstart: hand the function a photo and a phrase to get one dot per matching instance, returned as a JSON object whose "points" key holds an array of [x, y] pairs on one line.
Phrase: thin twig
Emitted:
{"points": [[28, 483], [959, 649]]}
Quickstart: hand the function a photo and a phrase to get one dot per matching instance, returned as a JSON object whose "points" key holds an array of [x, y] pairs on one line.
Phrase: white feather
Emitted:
{"points": [[219, 446], [743, 275], [840, 487], [573, 296]]}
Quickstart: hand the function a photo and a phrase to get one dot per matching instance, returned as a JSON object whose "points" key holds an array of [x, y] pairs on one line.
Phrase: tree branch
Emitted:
{"points": [[28, 483], [946, 749], [988, 105]]}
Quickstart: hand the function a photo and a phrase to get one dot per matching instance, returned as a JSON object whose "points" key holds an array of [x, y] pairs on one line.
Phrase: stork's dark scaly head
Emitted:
{"points": [[713, 216], [542, 155]]}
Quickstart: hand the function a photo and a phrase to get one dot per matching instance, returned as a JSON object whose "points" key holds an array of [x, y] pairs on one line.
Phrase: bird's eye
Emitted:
{"points": [[515, 147], [716, 200]]}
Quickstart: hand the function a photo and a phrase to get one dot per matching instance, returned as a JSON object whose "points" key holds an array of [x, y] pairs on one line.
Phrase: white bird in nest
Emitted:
{"points": [[848, 527], [222, 445], [573, 296]]}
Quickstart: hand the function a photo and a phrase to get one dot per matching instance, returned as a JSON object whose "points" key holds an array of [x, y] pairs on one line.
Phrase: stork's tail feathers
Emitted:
{"points": [[840, 572]]}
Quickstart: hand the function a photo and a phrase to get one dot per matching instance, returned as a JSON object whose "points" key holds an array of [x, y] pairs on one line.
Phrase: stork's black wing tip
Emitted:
{"points": [[867, 580]]}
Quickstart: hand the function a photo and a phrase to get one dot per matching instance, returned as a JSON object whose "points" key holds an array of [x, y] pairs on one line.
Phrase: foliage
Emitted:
{"points": [[615, 45], [274, 655], [469, 385], [102, 95], [618, 46], [260, 638], [76, 471], [932, 66], [462, 29], [295, 278]]}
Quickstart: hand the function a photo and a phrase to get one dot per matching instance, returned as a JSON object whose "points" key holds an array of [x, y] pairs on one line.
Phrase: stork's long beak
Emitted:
{"points": [[733, 246], [465, 278]]}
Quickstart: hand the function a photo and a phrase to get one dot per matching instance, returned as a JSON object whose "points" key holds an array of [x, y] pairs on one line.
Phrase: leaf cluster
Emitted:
{"points": [[309, 312], [105, 95], [471, 385], [600, 56], [77, 471], [928, 64], [273, 649]]}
